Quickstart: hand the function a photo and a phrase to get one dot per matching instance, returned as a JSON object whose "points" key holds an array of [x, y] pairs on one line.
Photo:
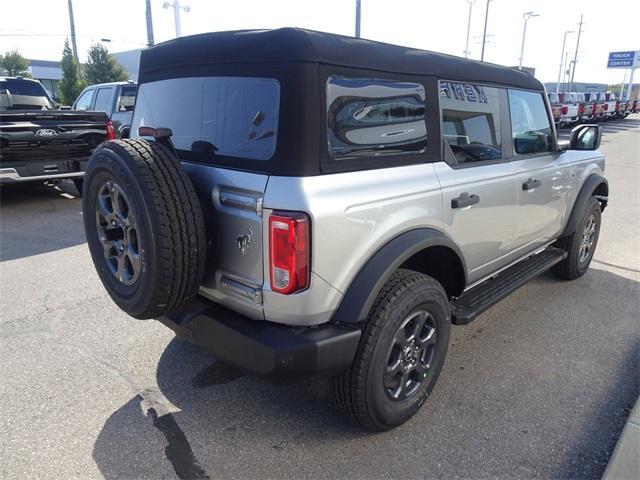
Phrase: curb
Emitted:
{"points": [[625, 461]]}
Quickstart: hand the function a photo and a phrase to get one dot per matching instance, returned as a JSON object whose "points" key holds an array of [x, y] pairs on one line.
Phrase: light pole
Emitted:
{"points": [[526, 16], [466, 49], [176, 13], [358, 13], [575, 57], [484, 35], [564, 43]]}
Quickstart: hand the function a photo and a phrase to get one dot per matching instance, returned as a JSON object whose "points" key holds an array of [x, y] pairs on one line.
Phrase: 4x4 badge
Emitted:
{"points": [[243, 242]]}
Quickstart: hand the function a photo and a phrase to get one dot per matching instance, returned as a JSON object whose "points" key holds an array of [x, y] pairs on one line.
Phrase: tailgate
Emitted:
{"points": [[31, 136], [232, 205]]}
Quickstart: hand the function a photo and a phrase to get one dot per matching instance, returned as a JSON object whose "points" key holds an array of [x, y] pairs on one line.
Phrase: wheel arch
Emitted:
{"points": [[425, 250], [594, 185]]}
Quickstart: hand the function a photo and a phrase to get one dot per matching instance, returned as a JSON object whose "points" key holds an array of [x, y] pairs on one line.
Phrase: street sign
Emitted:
{"points": [[624, 60]]}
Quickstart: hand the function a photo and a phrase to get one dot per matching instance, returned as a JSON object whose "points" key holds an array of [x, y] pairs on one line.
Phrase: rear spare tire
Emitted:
{"points": [[144, 227]]}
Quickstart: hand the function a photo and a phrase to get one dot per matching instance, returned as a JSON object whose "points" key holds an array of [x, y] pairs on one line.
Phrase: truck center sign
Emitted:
{"points": [[624, 60]]}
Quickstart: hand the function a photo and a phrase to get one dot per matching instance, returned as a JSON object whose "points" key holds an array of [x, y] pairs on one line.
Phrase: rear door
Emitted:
{"points": [[214, 118], [543, 175], [478, 182]]}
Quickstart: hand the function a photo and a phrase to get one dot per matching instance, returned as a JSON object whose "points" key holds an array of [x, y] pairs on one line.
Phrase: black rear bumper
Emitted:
{"points": [[276, 353], [35, 170]]}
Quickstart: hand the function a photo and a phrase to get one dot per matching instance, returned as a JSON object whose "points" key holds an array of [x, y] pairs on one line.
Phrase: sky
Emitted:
{"points": [[37, 28]]}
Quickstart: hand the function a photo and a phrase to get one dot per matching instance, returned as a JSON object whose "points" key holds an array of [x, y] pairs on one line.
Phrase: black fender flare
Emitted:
{"points": [[587, 190], [364, 289]]}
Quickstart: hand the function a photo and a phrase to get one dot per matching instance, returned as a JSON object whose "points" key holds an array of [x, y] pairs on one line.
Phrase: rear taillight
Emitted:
{"points": [[565, 110], [111, 132], [605, 106], [289, 252], [617, 104], [581, 108]]}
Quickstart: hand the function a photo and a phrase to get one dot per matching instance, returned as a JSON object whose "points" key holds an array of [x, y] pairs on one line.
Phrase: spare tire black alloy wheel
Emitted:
{"points": [[144, 227], [410, 355], [117, 232]]}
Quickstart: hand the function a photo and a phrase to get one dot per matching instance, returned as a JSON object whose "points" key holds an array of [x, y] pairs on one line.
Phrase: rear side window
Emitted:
{"points": [[103, 100], [213, 116], [127, 98], [530, 125], [471, 121], [84, 101], [372, 117]]}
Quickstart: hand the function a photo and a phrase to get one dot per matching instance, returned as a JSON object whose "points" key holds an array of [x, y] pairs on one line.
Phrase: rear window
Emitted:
{"points": [[22, 87], [374, 117], [213, 116], [127, 98]]}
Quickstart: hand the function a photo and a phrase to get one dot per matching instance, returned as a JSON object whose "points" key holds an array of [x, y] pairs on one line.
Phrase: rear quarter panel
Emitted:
{"points": [[352, 216]]}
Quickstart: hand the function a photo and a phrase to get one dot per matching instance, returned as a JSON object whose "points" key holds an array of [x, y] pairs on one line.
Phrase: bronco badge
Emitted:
{"points": [[243, 242]]}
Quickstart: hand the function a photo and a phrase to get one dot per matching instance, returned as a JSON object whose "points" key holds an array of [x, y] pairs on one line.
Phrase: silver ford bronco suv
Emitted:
{"points": [[301, 203]]}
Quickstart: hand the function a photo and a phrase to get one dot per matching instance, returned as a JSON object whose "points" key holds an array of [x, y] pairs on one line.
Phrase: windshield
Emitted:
{"points": [[18, 94]]}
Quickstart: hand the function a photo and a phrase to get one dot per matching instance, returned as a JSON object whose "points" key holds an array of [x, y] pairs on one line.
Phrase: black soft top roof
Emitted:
{"points": [[299, 45]]}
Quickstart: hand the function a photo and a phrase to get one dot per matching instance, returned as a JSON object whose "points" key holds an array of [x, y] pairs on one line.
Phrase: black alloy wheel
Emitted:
{"points": [[118, 234]]}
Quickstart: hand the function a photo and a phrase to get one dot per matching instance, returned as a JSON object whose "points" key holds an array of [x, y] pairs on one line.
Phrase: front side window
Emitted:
{"points": [[530, 125], [471, 121], [373, 117], [213, 116], [85, 100]]}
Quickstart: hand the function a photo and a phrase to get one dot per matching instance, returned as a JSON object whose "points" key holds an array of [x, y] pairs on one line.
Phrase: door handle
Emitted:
{"points": [[530, 184], [464, 200]]}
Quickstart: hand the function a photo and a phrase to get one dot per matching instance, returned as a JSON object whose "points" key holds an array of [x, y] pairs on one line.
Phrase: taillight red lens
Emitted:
{"points": [[565, 110], [289, 252], [581, 109], [605, 106], [111, 132]]}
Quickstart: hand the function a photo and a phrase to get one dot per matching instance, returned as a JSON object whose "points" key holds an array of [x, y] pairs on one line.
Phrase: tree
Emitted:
{"points": [[14, 63], [101, 67], [72, 83]]}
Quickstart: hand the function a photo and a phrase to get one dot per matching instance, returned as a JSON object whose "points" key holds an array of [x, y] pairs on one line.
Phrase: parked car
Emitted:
{"points": [[634, 106], [609, 106], [116, 99], [570, 110], [556, 107], [595, 99], [39, 143], [298, 202]]}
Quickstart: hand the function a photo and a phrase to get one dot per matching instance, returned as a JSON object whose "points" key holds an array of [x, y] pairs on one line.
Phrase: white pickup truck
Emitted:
{"points": [[570, 109]]}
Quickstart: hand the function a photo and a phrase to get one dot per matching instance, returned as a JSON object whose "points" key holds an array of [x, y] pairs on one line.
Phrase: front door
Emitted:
{"points": [[543, 175]]}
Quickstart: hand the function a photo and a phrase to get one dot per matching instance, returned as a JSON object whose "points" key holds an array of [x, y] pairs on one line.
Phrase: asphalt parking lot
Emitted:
{"points": [[538, 387]]}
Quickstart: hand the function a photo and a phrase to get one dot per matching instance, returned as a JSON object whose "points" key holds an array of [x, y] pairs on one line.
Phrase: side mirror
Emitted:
{"points": [[585, 137]]}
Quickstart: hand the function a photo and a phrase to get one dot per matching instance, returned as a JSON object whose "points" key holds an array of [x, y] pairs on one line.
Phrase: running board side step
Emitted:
{"points": [[472, 303]]}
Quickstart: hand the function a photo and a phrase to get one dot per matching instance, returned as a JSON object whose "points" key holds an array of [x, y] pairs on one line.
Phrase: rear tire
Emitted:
{"points": [[581, 244], [144, 227], [400, 355]]}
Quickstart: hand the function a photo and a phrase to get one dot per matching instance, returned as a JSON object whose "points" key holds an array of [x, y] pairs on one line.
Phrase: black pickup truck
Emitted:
{"points": [[40, 143]]}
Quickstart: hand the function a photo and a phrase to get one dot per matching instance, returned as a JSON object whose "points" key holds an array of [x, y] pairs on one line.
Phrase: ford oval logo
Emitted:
{"points": [[46, 132]]}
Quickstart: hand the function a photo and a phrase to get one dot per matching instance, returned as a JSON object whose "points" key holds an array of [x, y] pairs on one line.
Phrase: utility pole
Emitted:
{"points": [[358, 14], [466, 48], [72, 24], [575, 58], [484, 35], [150, 41], [564, 43]]}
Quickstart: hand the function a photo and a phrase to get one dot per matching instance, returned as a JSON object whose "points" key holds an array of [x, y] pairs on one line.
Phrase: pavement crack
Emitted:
{"points": [[178, 450]]}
